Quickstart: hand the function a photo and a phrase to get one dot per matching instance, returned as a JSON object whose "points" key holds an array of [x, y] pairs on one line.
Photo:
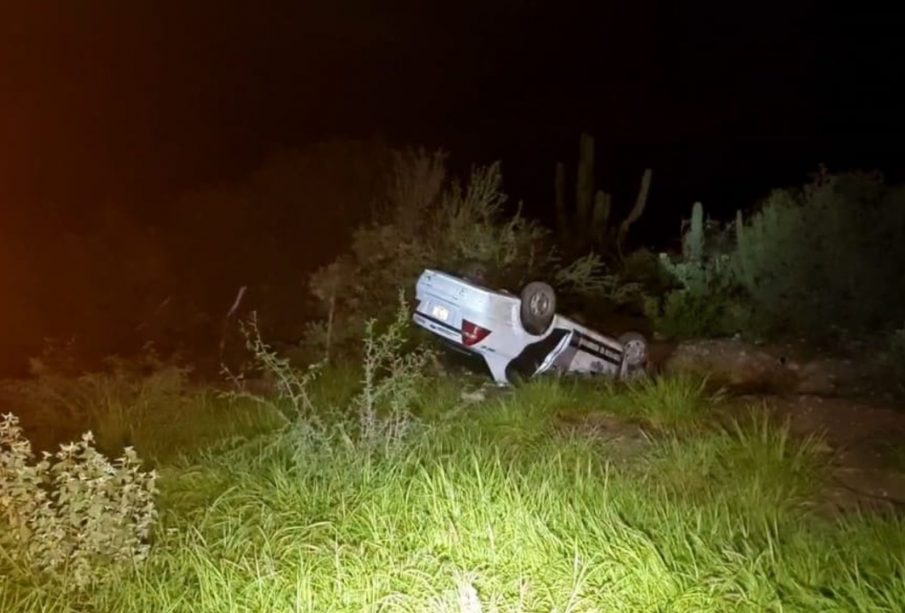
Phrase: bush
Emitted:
{"points": [[683, 314], [824, 258], [74, 514], [379, 412], [430, 221], [289, 385], [112, 403], [817, 261], [427, 220], [391, 380]]}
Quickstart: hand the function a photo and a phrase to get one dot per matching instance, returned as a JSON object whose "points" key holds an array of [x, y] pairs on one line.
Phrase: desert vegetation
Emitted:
{"points": [[810, 261], [355, 469]]}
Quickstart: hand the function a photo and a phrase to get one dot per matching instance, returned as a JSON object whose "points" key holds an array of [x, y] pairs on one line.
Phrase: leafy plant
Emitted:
{"points": [[682, 314], [813, 261], [290, 385], [74, 514], [587, 277]]}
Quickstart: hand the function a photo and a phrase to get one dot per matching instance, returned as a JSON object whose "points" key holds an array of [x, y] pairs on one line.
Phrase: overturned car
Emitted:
{"points": [[520, 336]]}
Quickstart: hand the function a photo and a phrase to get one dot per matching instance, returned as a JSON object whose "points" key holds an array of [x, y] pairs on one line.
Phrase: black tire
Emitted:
{"points": [[635, 351], [538, 307]]}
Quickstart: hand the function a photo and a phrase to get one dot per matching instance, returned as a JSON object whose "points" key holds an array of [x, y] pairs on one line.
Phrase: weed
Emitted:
{"points": [[73, 515], [290, 386], [390, 381]]}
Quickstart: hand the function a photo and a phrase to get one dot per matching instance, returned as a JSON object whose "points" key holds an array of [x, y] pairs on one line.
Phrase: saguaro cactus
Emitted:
{"points": [[637, 210], [694, 238], [584, 189], [589, 225], [600, 217]]}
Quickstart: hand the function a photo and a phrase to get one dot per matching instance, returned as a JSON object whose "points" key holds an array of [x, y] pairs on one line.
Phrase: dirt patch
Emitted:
{"points": [[778, 368], [867, 441], [865, 444]]}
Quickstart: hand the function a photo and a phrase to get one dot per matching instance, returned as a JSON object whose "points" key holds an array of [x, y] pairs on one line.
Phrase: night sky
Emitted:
{"points": [[136, 101], [134, 106]]}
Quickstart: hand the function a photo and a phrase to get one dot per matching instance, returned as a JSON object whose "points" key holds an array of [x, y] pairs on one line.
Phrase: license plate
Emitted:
{"points": [[439, 312]]}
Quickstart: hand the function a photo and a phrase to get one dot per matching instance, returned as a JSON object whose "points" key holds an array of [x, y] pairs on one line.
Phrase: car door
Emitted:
{"points": [[560, 356]]}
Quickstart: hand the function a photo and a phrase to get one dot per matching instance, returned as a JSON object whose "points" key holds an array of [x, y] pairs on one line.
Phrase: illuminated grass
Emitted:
{"points": [[672, 402], [493, 510]]}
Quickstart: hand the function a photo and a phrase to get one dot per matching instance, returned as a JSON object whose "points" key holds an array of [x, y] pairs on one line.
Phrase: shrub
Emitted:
{"points": [[683, 314], [391, 380], [392, 375], [112, 402], [816, 261], [290, 385], [822, 258], [431, 221], [74, 514]]}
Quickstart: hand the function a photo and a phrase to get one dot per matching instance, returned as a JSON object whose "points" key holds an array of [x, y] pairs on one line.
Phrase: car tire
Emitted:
{"points": [[634, 347], [538, 307]]}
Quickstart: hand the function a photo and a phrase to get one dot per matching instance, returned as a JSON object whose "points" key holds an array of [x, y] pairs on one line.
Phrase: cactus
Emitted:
{"points": [[600, 217], [694, 238], [693, 271], [637, 210], [589, 224], [584, 189], [562, 216]]}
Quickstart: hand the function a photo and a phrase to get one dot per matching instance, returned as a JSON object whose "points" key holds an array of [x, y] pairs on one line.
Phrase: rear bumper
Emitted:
{"points": [[450, 337], [438, 327]]}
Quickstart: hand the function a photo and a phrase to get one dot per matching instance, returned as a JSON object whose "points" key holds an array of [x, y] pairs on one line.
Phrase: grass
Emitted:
{"points": [[488, 506]]}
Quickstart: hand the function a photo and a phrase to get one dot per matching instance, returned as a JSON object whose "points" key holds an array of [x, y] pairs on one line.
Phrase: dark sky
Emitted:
{"points": [[138, 100]]}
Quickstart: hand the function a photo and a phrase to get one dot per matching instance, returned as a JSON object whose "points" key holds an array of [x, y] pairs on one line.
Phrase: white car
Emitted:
{"points": [[520, 336]]}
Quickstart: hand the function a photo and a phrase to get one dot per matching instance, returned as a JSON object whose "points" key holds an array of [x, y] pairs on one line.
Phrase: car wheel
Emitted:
{"points": [[538, 307], [634, 351]]}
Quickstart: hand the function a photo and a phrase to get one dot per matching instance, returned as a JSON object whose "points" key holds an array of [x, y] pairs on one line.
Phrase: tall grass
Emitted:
{"points": [[490, 507]]}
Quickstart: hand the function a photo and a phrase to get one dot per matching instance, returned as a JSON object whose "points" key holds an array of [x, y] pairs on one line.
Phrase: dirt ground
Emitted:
{"points": [[862, 423], [867, 447]]}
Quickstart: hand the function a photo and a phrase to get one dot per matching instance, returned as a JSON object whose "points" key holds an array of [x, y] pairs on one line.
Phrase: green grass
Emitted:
{"points": [[679, 402], [490, 507]]}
